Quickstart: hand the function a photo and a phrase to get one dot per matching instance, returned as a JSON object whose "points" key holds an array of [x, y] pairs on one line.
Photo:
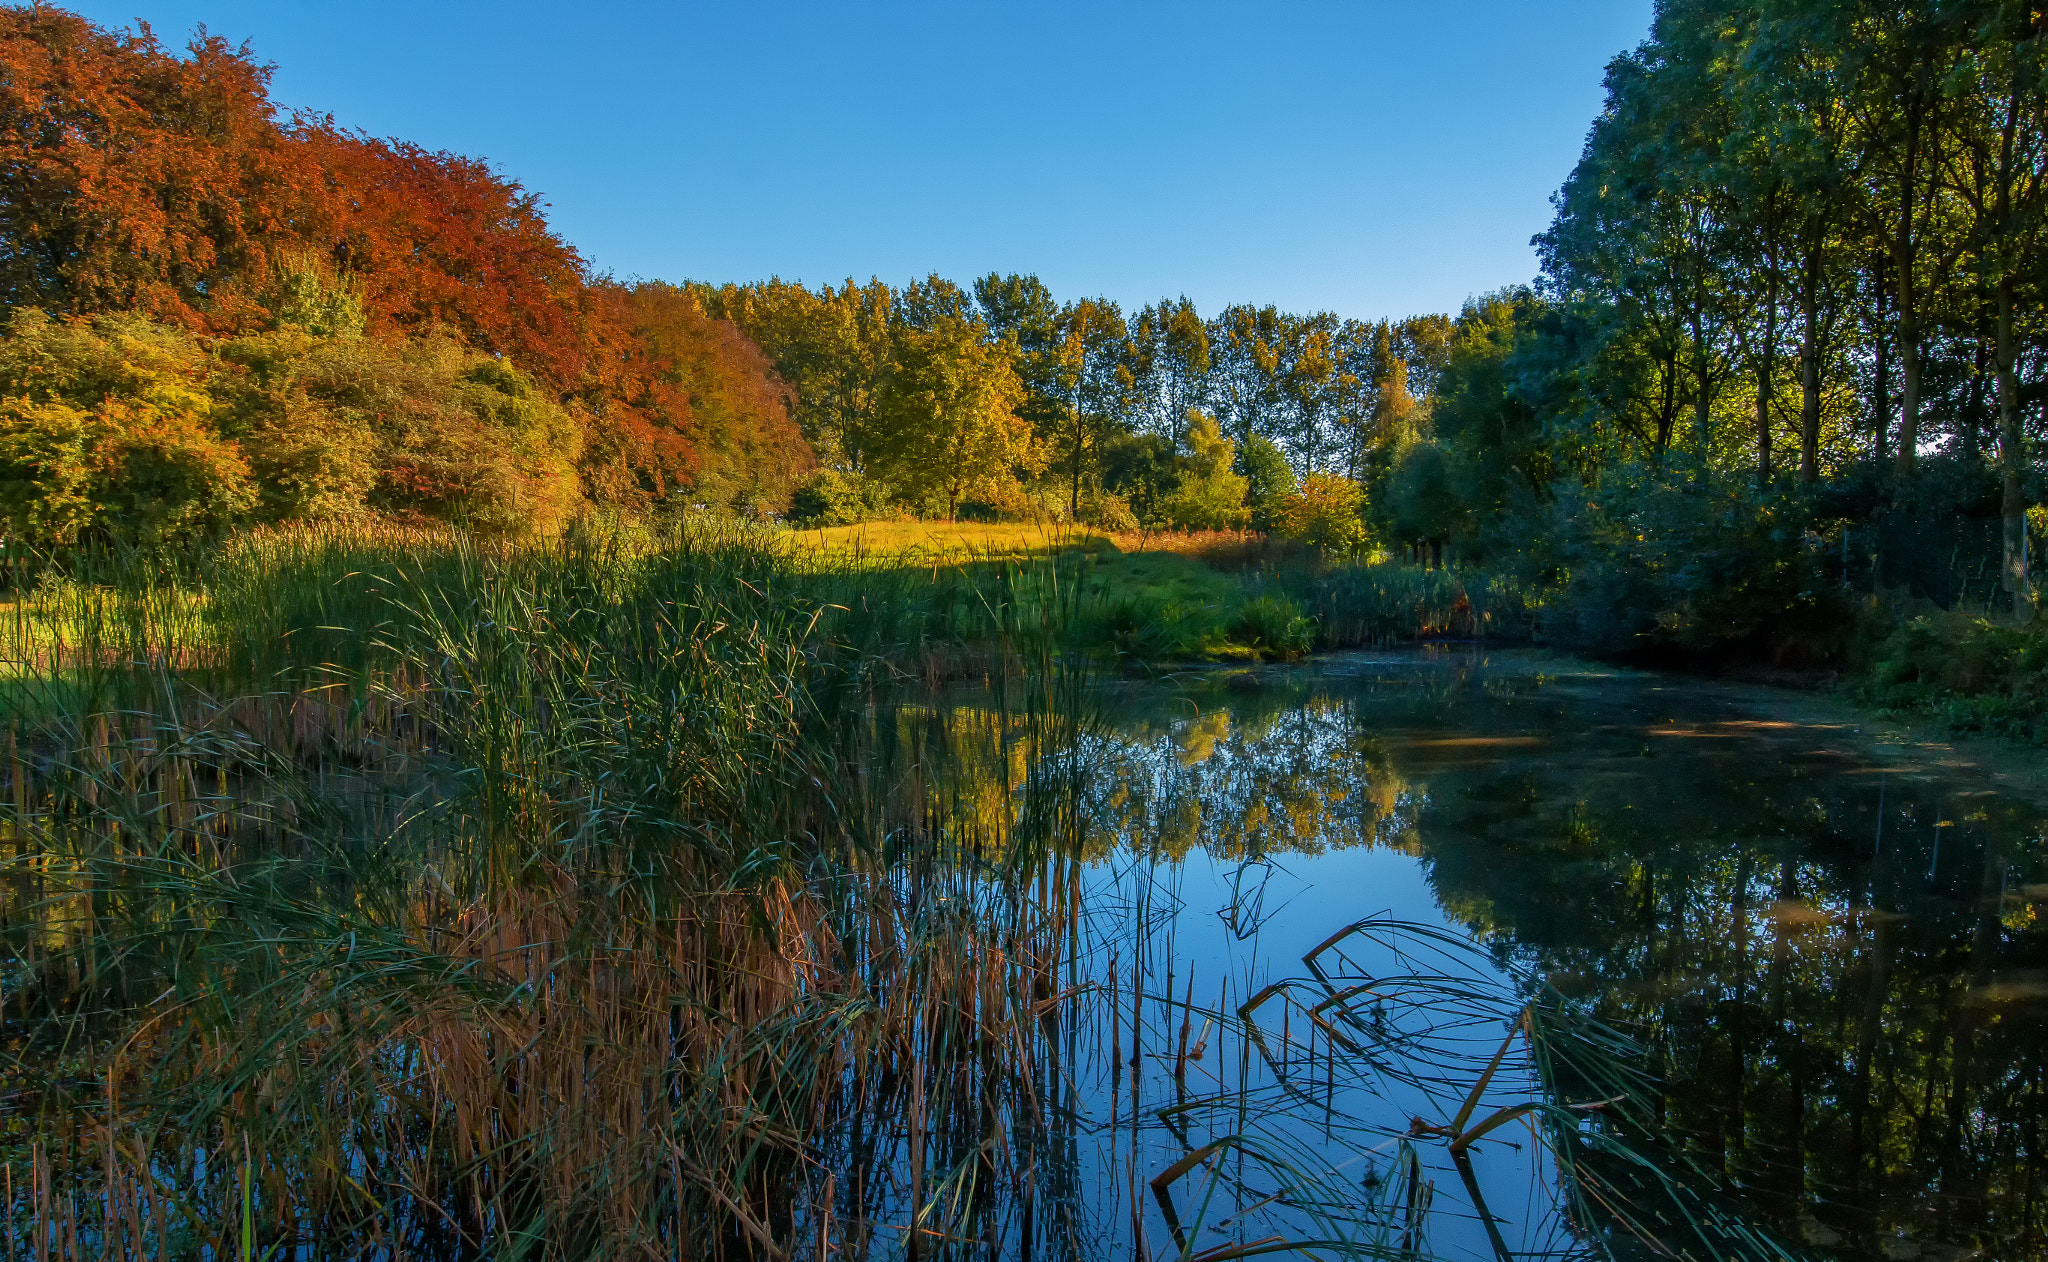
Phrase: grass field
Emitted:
{"points": [[898, 542]]}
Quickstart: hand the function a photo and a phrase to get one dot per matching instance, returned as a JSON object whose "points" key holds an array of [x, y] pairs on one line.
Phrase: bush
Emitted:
{"points": [[1641, 563], [1274, 625], [1107, 511], [111, 428], [1210, 494], [1326, 513], [833, 497], [1269, 481], [1969, 673], [122, 429]]}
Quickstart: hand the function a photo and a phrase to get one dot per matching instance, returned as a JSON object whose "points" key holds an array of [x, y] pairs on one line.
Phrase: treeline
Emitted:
{"points": [[1002, 398], [1787, 345], [1804, 248], [217, 311]]}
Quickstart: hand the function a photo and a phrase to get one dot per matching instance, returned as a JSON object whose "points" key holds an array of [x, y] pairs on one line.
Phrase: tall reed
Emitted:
{"points": [[412, 894]]}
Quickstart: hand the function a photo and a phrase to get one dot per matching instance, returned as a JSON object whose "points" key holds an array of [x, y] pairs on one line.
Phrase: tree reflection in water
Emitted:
{"points": [[1833, 951]]}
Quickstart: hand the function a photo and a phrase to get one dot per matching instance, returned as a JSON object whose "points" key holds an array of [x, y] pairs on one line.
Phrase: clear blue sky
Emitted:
{"points": [[1370, 158]]}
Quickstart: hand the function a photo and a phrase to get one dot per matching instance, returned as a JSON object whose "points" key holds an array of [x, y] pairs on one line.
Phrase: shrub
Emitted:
{"points": [[1640, 562], [833, 497], [1210, 494], [1326, 513], [128, 430], [111, 428], [1275, 625], [1269, 481], [1968, 672], [1108, 511]]}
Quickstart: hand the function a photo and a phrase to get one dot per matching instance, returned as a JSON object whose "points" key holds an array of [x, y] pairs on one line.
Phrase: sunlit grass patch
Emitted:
{"points": [[898, 542]]}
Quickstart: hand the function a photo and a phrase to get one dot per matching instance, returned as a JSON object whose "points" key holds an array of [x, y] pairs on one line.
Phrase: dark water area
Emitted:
{"points": [[1829, 948]]}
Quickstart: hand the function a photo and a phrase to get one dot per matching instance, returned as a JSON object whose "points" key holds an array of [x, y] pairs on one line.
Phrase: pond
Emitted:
{"points": [[1446, 954], [1818, 955]]}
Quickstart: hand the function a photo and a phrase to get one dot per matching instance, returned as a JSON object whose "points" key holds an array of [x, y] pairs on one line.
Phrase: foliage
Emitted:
{"points": [[1423, 500], [1380, 603], [591, 987], [1210, 492], [1966, 672], [1274, 624], [1327, 512], [947, 423], [119, 428], [1640, 564], [830, 497], [1269, 481], [180, 196], [1145, 470], [699, 414]]}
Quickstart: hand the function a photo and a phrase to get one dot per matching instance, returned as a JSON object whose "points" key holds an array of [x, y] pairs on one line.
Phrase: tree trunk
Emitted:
{"points": [[1765, 371], [2013, 462], [1909, 387], [1763, 427], [1881, 392], [1809, 371], [1702, 370], [1909, 309], [1973, 405], [1074, 499]]}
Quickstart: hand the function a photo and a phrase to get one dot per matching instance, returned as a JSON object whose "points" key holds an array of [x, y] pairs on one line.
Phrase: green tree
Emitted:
{"points": [[1211, 494], [1269, 480], [1088, 371], [1170, 357], [947, 418], [1327, 512]]}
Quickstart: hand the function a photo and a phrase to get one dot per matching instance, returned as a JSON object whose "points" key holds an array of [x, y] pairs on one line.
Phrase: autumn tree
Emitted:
{"points": [[947, 417], [138, 179]]}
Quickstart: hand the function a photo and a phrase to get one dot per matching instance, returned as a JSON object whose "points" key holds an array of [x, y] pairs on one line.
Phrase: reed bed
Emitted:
{"points": [[439, 899]]}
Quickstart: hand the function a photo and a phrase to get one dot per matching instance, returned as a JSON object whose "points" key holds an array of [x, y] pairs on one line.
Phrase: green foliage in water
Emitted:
{"points": [[409, 888]]}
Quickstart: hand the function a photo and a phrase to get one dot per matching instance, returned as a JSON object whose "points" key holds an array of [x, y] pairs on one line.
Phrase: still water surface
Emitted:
{"points": [[1830, 948]]}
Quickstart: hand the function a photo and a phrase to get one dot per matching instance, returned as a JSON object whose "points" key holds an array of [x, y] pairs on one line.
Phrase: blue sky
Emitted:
{"points": [[1369, 158]]}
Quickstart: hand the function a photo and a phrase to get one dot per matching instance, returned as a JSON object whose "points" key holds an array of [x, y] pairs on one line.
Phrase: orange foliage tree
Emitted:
{"points": [[135, 179]]}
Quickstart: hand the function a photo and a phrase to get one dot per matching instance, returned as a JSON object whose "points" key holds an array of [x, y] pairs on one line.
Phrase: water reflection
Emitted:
{"points": [[1833, 951]]}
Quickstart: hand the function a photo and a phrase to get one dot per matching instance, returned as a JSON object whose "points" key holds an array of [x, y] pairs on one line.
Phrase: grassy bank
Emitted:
{"points": [[1967, 672], [1150, 598]]}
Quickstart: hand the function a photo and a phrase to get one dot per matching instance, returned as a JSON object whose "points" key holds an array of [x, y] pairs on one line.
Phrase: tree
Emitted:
{"points": [[1211, 493], [833, 348], [1328, 512], [1269, 480], [709, 412], [135, 179], [1245, 362], [1170, 357], [1088, 370], [1423, 503], [948, 424], [1995, 168]]}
